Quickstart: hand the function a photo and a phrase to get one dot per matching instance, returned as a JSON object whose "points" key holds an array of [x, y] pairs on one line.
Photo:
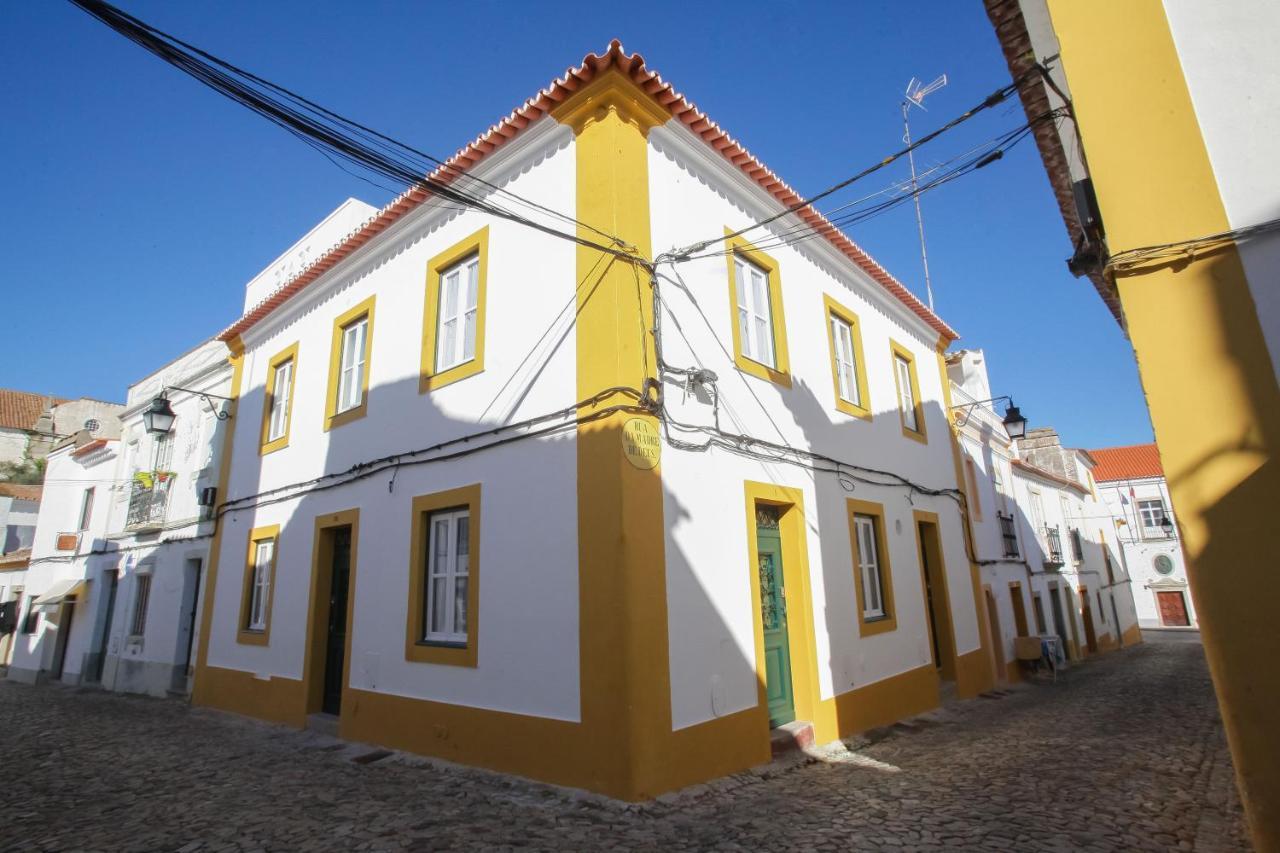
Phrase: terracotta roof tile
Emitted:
{"points": [[698, 123], [21, 409], [1127, 463]]}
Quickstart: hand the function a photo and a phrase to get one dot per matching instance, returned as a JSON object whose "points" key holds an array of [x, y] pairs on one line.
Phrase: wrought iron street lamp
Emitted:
{"points": [[1015, 425], [159, 416]]}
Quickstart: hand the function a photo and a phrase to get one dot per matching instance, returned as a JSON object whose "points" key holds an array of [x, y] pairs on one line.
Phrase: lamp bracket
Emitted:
{"points": [[208, 398], [962, 418]]}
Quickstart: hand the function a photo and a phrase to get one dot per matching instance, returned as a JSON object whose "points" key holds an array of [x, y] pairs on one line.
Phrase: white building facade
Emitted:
{"points": [[467, 508], [113, 580], [1131, 482], [1041, 534]]}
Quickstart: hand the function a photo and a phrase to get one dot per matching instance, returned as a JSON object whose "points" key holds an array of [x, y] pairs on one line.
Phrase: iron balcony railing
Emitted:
{"points": [[148, 504], [1009, 535], [1052, 547]]}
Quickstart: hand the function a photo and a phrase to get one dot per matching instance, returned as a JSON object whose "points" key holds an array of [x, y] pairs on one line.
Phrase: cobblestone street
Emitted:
{"points": [[1123, 753]]}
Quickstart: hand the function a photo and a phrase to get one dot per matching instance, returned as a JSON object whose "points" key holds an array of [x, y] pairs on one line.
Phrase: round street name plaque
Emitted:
{"points": [[641, 444]]}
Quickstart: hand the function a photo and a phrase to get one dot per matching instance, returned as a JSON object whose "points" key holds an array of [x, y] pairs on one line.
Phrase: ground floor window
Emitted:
{"points": [[444, 577], [873, 583], [141, 597]]}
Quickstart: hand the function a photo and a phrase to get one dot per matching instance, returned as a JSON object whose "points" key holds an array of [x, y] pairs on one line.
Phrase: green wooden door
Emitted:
{"points": [[773, 618]]}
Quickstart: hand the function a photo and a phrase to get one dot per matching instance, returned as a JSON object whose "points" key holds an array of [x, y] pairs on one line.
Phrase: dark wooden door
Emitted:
{"points": [[1173, 608], [336, 642], [773, 619], [1086, 614], [930, 599], [64, 634]]}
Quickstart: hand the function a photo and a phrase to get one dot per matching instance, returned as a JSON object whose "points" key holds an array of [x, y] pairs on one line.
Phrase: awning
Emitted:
{"points": [[59, 592]]}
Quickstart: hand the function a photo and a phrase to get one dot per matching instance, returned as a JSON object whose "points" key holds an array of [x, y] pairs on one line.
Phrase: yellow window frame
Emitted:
{"points": [[332, 417], [781, 373], [429, 379], [835, 309], [243, 633], [288, 354], [896, 351], [889, 621], [416, 649]]}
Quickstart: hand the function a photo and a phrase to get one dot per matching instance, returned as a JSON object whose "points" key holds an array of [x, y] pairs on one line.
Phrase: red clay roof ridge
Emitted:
{"points": [[535, 108]]}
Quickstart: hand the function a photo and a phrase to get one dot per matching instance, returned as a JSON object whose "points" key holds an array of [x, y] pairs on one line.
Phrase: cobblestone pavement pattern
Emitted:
{"points": [[1125, 753]]}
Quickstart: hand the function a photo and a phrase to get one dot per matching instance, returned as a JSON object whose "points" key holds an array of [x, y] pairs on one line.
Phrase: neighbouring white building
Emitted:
{"points": [[477, 502], [31, 424], [1049, 560], [1131, 481], [19, 509], [114, 577], [59, 630]]}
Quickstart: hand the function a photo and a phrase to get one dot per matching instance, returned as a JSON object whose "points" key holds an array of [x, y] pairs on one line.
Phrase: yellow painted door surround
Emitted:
{"points": [[1200, 350]]}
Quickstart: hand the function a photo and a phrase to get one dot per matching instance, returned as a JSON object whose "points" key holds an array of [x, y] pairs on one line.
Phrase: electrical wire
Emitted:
{"points": [[990, 101], [1129, 259], [364, 148]]}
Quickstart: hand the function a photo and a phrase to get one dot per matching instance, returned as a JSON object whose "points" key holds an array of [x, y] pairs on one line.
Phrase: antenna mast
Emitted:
{"points": [[915, 95]]}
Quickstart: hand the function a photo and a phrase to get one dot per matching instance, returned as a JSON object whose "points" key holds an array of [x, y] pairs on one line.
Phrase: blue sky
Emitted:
{"points": [[141, 202]]}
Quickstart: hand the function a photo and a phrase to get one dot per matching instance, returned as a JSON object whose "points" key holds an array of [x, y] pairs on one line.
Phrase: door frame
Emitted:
{"points": [[317, 610], [947, 666], [998, 663], [795, 580], [1186, 611]]}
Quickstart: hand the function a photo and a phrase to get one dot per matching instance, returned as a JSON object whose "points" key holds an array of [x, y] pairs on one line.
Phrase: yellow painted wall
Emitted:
{"points": [[1204, 364]]}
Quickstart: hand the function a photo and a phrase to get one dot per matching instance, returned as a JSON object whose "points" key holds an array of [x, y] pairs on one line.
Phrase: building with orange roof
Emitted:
{"points": [[662, 495], [1132, 481]]}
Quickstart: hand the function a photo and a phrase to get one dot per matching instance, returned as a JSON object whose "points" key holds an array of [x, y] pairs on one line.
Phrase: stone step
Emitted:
{"points": [[325, 724], [789, 736]]}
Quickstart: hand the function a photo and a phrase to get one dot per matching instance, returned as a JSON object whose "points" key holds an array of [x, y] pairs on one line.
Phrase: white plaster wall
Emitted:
{"points": [[329, 232], [1140, 552], [13, 445], [528, 608], [710, 619], [66, 478], [1228, 57]]}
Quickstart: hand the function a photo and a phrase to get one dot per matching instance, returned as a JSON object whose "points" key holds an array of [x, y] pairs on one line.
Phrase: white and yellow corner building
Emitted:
{"points": [[448, 523]]}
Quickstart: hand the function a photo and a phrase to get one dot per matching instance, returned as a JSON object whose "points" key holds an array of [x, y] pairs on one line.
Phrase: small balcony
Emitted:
{"points": [[1052, 549], [148, 502]]}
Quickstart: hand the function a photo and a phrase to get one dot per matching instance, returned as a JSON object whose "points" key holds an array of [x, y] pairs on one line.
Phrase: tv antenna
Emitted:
{"points": [[914, 97]]}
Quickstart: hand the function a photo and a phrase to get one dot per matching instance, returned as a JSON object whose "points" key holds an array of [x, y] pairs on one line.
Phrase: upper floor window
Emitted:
{"points": [[86, 509], [281, 390], [1152, 516], [355, 337], [162, 451], [755, 317], [908, 385], [349, 365], [759, 329], [277, 413], [453, 331], [848, 371], [456, 330]]}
